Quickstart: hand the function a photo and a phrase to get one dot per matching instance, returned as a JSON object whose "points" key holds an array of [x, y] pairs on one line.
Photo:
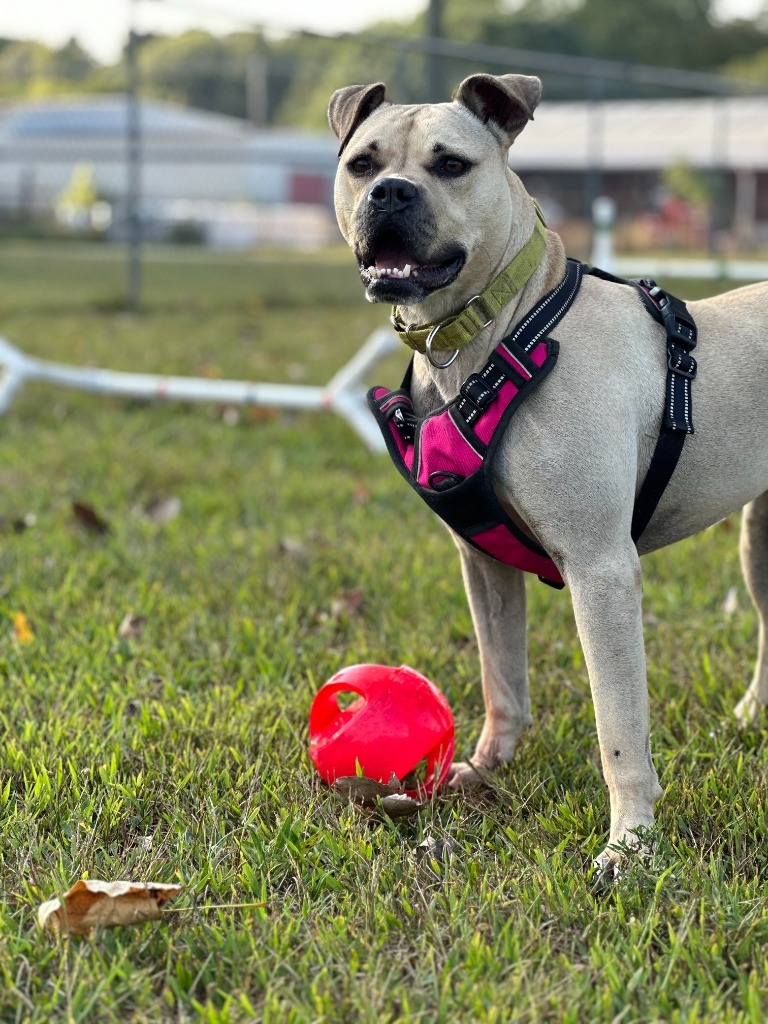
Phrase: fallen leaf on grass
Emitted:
{"points": [[433, 848], [22, 631], [293, 548], [17, 524], [730, 603], [89, 518], [131, 627], [91, 904], [388, 796], [347, 604], [162, 510], [361, 790], [400, 805], [261, 414]]}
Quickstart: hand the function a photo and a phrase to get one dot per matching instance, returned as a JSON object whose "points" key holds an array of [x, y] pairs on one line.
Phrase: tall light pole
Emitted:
{"points": [[133, 164], [434, 66]]}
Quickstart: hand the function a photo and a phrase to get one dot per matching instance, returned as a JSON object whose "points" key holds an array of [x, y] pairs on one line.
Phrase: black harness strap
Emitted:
{"points": [[432, 453], [678, 406], [677, 421]]}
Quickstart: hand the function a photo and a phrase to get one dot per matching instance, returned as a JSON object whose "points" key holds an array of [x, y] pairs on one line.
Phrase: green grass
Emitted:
{"points": [[182, 755]]}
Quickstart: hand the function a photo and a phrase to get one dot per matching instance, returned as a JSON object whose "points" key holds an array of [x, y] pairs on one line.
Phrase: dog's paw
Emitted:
{"points": [[606, 868], [636, 845], [747, 711], [467, 774]]}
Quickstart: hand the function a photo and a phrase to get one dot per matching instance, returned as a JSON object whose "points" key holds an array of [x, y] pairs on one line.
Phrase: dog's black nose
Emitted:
{"points": [[390, 195]]}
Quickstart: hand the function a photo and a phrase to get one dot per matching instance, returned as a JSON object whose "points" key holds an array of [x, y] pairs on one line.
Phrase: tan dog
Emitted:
{"points": [[428, 204]]}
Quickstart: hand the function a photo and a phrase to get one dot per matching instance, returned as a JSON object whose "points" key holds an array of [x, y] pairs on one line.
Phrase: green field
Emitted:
{"points": [[181, 754]]}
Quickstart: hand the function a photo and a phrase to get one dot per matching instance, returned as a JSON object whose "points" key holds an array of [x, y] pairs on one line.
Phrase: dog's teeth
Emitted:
{"points": [[407, 270]]}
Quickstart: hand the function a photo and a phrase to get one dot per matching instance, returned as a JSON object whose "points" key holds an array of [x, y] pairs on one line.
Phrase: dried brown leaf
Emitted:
{"points": [[347, 604], [400, 805], [92, 903], [293, 548], [261, 414], [730, 603], [433, 848], [89, 518], [17, 524], [364, 791], [22, 631], [162, 510], [131, 627], [388, 797]]}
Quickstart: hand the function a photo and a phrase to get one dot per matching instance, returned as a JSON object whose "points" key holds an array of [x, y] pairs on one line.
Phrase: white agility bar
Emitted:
{"points": [[344, 394]]}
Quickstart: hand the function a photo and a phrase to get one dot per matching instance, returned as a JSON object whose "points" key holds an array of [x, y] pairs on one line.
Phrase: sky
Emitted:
{"points": [[101, 25]]}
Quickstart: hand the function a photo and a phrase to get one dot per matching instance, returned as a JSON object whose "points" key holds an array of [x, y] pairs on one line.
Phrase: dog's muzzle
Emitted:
{"points": [[396, 234]]}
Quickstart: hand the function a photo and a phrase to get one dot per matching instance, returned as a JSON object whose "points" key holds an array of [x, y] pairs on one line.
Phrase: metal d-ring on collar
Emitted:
{"points": [[433, 332], [428, 350]]}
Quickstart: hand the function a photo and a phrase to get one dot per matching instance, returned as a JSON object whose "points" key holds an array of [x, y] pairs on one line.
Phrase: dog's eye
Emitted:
{"points": [[360, 165], [452, 166]]}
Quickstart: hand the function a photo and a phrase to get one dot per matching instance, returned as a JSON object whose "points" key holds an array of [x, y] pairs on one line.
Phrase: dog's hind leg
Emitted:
{"points": [[496, 595], [754, 562]]}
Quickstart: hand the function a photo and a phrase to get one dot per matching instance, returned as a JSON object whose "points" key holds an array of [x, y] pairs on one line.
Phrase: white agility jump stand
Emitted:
{"points": [[344, 393]]}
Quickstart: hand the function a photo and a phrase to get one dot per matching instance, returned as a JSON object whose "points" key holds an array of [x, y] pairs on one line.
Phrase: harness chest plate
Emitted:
{"points": [[447, 455]]}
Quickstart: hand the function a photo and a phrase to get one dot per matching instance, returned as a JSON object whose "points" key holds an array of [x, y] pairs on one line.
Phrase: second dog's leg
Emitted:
{"points": [[607, 600], [754, 562], [496, 595]]}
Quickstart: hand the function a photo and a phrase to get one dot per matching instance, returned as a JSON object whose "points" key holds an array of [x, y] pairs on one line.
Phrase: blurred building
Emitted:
{"points": [[195, 165], [575, 151], [243, 175]]}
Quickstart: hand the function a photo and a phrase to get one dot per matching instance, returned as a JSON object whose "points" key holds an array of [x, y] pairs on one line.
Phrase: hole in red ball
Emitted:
{"points": [[346, 699]]}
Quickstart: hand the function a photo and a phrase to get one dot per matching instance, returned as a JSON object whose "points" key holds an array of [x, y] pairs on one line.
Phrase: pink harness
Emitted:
{"points": [[447, 456]]}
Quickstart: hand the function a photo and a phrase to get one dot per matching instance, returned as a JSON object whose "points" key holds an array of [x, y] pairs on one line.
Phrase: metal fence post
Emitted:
{"points": [[133, 168]]}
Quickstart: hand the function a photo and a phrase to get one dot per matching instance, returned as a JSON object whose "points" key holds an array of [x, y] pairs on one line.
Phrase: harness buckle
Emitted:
{"points": [[677, 321], [477, 392], [405, 422], [684, 364], [484, 313]]}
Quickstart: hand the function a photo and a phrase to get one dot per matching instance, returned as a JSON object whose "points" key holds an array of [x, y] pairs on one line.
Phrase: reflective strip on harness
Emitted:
{"points": [[447, 455]]}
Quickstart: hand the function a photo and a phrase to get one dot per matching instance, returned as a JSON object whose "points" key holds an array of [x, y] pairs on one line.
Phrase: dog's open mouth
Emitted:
{"points": [[392, 271]]}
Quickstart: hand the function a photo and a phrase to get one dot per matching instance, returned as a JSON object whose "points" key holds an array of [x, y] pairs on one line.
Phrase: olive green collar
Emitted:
{"points": [[458, 330]]}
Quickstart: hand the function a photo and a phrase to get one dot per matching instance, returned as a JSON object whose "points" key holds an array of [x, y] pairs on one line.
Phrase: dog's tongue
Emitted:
{"points": [[390, 254]]}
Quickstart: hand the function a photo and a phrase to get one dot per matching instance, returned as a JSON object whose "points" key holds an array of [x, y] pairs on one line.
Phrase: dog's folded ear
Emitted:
{"points": [[350, 106], [503, 102]]}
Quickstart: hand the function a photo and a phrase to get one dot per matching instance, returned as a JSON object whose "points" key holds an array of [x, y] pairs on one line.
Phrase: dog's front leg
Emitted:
{"points": [[496, 594], [607, 600]]}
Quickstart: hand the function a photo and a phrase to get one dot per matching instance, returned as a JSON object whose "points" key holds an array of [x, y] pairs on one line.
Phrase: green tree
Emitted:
{"points": [[201, 70], [754, 67]]}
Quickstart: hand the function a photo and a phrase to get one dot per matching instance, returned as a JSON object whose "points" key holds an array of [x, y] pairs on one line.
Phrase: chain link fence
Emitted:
{"points": [[687, 172]]}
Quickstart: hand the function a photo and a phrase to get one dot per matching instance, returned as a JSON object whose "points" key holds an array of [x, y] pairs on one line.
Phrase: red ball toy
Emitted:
{"points": [[397, 720]]}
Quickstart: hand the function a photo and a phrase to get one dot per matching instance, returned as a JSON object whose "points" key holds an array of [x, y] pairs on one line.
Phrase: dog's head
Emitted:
{"points": [[423, 193]]}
